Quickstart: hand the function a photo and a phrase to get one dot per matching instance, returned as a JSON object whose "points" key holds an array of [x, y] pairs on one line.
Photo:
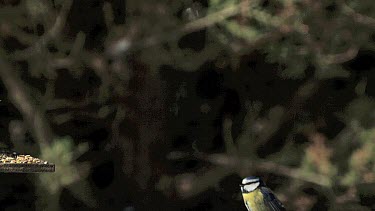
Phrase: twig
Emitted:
{"points": [[359, 18], [125, 44], [9, 30], [265, 166], [305, 91], [190, 185], [271, 167], [341, 57], [18, 94], [119, 117], [227, 135], [51, 34]]}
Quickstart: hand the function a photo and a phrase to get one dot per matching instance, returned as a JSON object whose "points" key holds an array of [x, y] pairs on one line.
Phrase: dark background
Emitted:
{"points": [[167, 105]]}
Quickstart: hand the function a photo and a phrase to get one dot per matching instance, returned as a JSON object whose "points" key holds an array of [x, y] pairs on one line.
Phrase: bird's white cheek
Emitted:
{"points": [[251, 187]]}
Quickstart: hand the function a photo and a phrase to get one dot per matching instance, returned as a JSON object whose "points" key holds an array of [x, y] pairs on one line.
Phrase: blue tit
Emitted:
{"points": [[258, 197]]}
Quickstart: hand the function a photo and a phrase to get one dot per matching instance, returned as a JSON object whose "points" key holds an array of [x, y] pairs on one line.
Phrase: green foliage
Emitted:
{"points": [[303, 44], [62, 154], [362, 160], [68, 173], [317, 159]]}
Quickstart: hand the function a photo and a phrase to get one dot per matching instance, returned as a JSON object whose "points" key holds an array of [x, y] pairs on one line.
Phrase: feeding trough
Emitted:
{"points": [[13, 162]]}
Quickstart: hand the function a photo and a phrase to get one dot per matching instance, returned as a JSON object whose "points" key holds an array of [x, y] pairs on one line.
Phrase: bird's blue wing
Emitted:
{"points": [[270, 200]]}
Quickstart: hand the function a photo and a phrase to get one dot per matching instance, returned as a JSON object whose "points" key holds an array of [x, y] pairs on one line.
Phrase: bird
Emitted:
{"points": [[258, 197]]}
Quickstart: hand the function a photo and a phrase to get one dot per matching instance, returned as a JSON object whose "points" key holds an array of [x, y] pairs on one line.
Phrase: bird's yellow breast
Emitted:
{"points": [[254, 201]]}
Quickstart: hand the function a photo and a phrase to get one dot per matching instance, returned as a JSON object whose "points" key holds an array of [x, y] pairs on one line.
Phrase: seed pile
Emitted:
{"points": [[20, 159]]}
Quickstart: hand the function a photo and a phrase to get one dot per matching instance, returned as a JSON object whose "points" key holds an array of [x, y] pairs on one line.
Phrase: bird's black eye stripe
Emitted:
{"points": [[241, 185]]}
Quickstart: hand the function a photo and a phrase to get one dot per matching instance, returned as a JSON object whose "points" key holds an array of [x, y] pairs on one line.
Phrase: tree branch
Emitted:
{"points": [[22, 100], [359, 18], [47, 37], [188, 185], [124, 44]]}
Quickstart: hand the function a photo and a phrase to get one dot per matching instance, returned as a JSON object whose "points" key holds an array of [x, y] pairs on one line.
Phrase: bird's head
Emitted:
{"points": [[250, 184]]}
